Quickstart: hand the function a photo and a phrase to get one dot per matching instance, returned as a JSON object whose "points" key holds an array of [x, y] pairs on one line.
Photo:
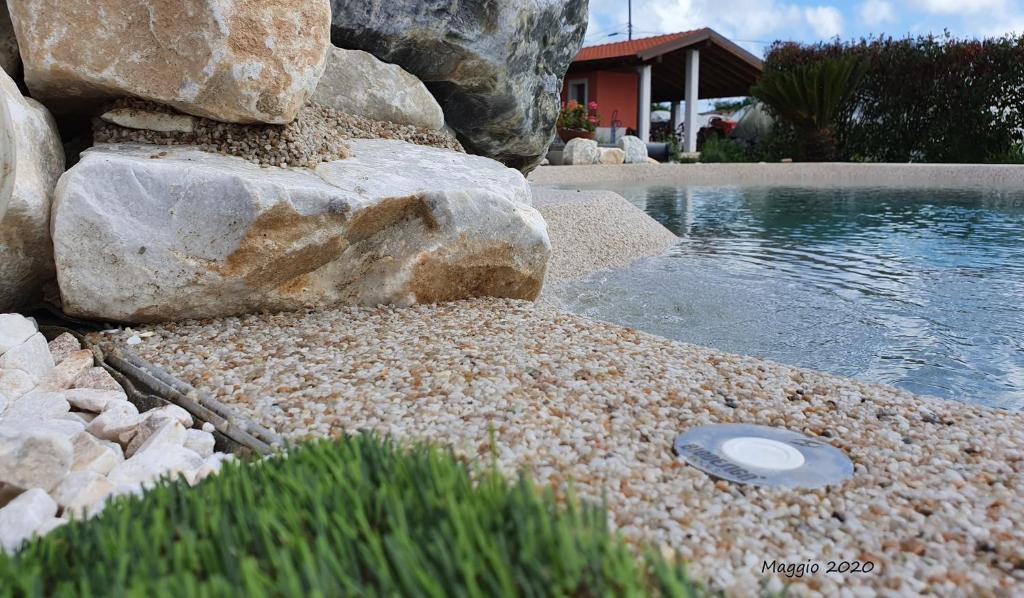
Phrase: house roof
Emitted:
{"points": [[628, 48], [727, 70]]}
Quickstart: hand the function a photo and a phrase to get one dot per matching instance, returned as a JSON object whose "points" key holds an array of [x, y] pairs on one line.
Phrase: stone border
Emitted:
{"points": [[947, 176]]}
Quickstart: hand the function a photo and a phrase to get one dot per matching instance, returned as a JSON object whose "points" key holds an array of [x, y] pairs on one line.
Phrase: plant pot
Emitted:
{"points": [[568, 135]]}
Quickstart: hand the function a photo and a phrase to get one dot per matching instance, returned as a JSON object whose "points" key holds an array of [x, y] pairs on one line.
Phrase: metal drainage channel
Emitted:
{"points": [[763, 456]]}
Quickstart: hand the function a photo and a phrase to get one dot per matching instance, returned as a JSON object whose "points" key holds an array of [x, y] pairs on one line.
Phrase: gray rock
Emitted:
{"points": [[581, 152], [495, 67], [355, 82], [33, 458], [31, 161], [196, 235], [10, 58], [23, 518], [634, 148]]}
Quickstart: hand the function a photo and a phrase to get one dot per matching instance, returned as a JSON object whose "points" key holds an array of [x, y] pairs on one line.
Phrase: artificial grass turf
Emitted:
{"points": [[356, 516]]}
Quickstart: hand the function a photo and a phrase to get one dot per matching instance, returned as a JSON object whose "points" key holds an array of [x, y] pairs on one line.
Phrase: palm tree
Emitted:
{"points": [[812, 98]]}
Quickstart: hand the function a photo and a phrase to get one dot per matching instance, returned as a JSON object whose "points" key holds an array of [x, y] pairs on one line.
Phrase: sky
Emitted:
{"points": [[756, 23]]}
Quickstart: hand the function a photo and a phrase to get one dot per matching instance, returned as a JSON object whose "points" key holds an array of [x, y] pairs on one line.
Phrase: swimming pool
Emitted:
{"points": [[919, 289]]}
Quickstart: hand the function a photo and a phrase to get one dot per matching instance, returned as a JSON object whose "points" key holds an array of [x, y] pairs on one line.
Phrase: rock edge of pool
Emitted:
{"points": [[936, 489]]}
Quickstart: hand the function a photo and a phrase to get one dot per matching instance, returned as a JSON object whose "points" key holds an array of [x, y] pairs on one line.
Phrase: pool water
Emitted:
{"points": [[923, 290]]}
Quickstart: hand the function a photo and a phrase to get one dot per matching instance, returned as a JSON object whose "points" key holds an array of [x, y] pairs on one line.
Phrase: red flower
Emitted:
{"points": [[592, 105]]}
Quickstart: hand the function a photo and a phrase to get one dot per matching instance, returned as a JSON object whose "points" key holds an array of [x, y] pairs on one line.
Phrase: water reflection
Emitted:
{"points": [[920, 289]]}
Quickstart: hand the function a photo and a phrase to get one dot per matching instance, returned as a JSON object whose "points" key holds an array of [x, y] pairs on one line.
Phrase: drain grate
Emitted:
{"points": [[763, 456]]}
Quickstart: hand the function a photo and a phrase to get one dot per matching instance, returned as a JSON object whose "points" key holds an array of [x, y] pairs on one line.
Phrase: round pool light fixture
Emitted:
{"points": [[763, 456]]}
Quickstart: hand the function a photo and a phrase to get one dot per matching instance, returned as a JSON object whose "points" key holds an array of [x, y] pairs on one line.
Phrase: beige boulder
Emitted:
{"points": [[195, 235], [356, 82], [230, 60], [31, 161], [612, 156]]}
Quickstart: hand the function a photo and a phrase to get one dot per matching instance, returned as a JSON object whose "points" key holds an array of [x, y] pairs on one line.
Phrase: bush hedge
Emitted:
{"points": [[352, 517], [927, 99]]}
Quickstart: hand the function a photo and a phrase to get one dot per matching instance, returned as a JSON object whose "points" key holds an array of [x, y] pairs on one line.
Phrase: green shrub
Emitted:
{"points": [[717, 149], [353, 517], [925, 99]]}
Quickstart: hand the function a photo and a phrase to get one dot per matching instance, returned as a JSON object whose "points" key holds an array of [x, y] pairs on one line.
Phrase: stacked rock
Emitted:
{"points": [[365, 195], [70, 440]]}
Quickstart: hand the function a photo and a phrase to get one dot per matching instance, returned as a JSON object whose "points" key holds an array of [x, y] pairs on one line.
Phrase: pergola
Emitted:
{"points": [[678, 67]]}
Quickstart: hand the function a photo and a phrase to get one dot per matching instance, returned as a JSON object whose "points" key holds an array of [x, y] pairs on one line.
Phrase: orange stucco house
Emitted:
{"points": [[624, 78]]}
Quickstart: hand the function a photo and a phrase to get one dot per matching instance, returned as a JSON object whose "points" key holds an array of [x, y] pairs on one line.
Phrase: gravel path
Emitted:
{"points": [[936, 501], [596, 230]]}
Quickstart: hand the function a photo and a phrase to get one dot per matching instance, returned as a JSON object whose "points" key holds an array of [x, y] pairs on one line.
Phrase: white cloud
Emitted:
{"points": [[826, 21], [877, 12], [954, 7], [758, 20]]}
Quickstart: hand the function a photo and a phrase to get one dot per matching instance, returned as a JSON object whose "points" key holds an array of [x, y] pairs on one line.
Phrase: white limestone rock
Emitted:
{"points": [[164, 122], [173, 412], [612, 156], [51, 525], [211, 466], [634, 148], [147, 467], [97, 378], [581, 152], [24, 517], [355, 82], [156, 433], [32, 357], [63, 346], [33, 459], [93, 454], [38, 406], [31, 161], [67, 371], [81, 490], [201, 442], [118, 418], [15, 384], [196, 235], [93, 400], [15, 329], [63, 426], [229, 60]]}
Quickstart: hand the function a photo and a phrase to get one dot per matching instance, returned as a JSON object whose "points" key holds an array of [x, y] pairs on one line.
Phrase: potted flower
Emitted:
{"points": [[577, 120]]}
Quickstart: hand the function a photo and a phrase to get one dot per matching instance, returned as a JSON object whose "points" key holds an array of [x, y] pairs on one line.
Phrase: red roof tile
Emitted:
{"points": [[627, 48]]}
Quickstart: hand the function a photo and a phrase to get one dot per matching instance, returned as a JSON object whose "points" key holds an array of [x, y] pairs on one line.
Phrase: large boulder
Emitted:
{"points": [[193, 234], [496, 67], [355, 82], [10, 59], [634, 150], [31, 161], [581, 152], [230, 60]]}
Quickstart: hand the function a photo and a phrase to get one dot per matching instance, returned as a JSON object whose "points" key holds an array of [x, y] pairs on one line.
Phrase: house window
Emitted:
{"points": [[578, 90]]}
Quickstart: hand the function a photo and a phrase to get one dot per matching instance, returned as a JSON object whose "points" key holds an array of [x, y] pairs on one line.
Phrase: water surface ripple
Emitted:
{"points": [[917, 289]]}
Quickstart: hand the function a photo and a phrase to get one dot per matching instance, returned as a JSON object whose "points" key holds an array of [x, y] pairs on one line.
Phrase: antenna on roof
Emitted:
{"points": [[630, 20]]}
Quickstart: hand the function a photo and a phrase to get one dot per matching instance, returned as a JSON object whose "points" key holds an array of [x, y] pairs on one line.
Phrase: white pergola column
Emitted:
{"points": [[677, 116], [644, 124], [692, 87]]}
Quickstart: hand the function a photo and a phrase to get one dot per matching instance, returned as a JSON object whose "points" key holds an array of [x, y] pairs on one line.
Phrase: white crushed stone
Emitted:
{"points": [[936, 501], [596, 230]]}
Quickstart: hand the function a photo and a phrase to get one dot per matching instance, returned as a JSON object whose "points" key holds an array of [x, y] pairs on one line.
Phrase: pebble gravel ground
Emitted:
{"points": [[935, 504], [317, 135]]}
